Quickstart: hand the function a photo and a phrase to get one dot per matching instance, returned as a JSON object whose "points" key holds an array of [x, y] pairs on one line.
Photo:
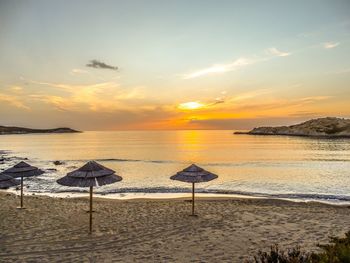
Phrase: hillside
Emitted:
{"points": [[323, 127], [21, 130]]}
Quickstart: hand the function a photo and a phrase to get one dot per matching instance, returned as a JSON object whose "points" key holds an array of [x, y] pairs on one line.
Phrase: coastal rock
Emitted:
{"points": [[58, 162], [329, 127], [21, 130]]}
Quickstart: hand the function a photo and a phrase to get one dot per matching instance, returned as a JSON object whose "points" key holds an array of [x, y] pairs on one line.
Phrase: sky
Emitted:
{"points": [[169, 65]]}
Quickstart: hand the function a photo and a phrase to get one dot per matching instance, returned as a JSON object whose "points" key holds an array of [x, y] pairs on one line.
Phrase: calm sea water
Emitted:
{"points": [[285, 167]]}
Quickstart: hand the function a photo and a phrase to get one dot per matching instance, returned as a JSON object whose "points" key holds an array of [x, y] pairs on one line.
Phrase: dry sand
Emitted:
{"points": [[226, 230]]}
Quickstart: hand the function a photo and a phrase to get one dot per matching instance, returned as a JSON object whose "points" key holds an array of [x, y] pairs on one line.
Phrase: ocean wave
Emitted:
{"points": [[328, 160], [262, 163], [124, 160], [154, 190]]}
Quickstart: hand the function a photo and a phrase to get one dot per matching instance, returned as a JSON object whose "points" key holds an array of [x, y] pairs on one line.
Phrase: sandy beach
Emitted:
{"points": [[226, 230]]}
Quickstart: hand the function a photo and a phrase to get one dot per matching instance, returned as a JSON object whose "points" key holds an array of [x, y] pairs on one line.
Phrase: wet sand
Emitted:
{"points": [[226, 230]]}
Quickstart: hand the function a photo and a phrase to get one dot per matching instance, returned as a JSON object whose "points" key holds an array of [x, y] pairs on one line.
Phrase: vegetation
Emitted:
{"points": [[275, 255], [337, 251]]}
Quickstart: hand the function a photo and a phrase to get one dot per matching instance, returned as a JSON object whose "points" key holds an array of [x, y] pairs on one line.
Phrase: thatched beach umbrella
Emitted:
{"points": [[22, 169], [7, 181], [194, 174], [89, 175]]}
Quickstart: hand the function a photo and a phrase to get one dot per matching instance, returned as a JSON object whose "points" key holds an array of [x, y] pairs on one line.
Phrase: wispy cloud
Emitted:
{"points": [[77, 71], [279, 106], [16, 89], [275, 52], [72, 88], [218, 100], [307, 114], [60, 103], [102, 97], [14, 101], [100, 65], [314, 98], [220, 68], [223, 101], [249, 95], [329, 45], [235, 65]]}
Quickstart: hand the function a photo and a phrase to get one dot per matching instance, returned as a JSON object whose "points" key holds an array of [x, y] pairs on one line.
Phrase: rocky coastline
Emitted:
{"points": [[20, 130], [329, 127]]}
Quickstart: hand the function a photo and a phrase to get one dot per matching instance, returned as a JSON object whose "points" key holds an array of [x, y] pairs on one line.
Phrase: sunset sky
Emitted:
{"points": [[115, 65]]}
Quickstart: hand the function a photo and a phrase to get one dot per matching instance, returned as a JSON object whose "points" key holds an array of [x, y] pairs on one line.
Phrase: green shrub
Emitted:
{"points": [[275, 255], [337, 251]]}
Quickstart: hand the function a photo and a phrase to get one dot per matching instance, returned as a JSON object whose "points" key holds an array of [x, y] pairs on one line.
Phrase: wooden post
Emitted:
{"points": [[21, 191], [90, 229], [192, 199], [21, 206]]}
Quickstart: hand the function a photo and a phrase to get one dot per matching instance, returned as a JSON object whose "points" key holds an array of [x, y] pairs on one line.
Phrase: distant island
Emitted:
{"points": [[21, 130], [329, 127]]}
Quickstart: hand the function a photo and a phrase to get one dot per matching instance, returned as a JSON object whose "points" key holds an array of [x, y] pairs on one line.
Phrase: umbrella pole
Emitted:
{"points": [[21, 207], [90, 228], [192, 200], [22, 192]]}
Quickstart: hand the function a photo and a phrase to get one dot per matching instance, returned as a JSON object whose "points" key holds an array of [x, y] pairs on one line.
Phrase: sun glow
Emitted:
{"points": [[192, 105]]}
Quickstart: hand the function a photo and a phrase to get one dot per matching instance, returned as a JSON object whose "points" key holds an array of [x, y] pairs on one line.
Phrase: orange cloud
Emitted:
{"points": [[14, 101], [100, 97]]}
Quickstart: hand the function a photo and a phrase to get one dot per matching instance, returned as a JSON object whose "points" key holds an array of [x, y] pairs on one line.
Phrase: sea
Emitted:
{"points": [[283, 167]]}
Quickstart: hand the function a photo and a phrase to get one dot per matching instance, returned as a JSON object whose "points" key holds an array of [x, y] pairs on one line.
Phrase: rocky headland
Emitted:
{"points": [[21, 130], [329, 127]]}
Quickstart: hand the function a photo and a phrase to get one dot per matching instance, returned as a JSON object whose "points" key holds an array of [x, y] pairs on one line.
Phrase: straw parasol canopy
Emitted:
{"points": [[193, 174], [7, 181], [89, 175], [22, 169]]}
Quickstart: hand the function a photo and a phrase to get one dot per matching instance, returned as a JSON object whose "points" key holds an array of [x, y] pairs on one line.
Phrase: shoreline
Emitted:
{"points": [[327, 137], [173, 196]]}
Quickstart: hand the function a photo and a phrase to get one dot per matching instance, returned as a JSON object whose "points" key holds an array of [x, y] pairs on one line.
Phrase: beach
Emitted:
{"points": [[160, 230], [174, 131]]}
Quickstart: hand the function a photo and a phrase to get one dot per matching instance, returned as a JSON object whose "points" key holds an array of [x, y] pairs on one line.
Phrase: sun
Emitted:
{"points": [[192, 105]]}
